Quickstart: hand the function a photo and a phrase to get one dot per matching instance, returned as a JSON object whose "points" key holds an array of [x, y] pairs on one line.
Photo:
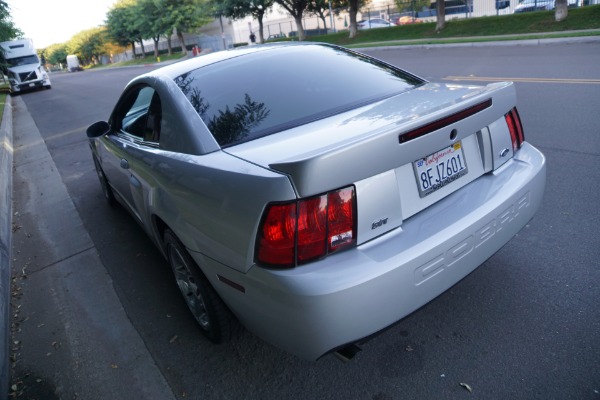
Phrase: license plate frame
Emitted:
{"points": [[440, 168]]}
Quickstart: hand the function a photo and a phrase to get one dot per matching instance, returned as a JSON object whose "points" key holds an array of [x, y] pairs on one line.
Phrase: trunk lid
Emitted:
{"points": [[366, 148], [365, 142]]}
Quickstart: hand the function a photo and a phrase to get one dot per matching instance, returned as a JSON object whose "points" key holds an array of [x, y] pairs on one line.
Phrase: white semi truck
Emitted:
{"points": [[24, 69]]}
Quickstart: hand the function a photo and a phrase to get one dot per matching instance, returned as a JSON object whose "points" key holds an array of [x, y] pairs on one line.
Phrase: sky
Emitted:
{"points": [[57, 21]]}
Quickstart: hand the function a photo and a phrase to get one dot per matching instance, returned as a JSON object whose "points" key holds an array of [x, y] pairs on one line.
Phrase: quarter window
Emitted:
{"points": [[141, 115]]}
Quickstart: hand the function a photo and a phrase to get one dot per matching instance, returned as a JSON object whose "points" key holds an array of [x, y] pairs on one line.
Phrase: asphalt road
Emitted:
{"points": [[525, 325]]}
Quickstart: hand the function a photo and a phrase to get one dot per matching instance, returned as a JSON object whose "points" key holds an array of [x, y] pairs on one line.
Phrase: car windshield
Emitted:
{"points": [[15, 62], [261, 93]]}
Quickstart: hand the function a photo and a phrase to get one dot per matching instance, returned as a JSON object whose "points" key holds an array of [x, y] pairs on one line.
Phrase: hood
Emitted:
{"points": [[24, 68]]}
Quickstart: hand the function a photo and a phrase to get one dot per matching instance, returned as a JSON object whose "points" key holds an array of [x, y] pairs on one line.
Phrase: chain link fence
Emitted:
{"points": [[421, 10], [393, 11], [425, 10]]}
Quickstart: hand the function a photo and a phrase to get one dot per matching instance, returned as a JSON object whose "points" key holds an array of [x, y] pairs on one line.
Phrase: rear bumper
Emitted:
{"points": [[311, 310]]}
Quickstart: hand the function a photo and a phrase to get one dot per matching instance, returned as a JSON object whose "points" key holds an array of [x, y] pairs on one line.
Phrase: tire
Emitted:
{"points": [[106, 189], [214, 318]]}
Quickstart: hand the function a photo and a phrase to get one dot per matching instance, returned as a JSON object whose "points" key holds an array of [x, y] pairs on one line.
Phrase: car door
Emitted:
{"points": [[135, 124]]}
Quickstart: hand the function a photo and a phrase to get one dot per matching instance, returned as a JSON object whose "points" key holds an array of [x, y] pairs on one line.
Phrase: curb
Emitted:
{"points": [[6, 161], [65, 293]]}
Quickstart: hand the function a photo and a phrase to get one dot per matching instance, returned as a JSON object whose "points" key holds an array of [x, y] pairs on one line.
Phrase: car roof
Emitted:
{"points": [[179, 68], [261, 83]]}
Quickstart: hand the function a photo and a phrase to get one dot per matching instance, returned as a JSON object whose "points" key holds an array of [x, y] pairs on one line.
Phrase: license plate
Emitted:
{"points": [[31, 84], [440, 168]]}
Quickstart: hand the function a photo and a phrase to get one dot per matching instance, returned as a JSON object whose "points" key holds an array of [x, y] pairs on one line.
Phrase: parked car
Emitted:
{"points": [[407, 20], [374, 23], [277, 36], [324, 199], [534, 5], [540, 5]]}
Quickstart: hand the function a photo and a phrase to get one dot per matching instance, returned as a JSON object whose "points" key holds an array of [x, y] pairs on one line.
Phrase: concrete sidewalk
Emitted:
{"points": [[6, 163], [62, 297]]}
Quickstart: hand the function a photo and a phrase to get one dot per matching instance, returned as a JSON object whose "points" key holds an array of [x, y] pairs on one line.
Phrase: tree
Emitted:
{"points": [[295, 8], [120, 22], [353, 10], [139, 24], [561, 10], [160, 23], [8, 30], [187, 15], [152, 22], [237, 9], [413, 5], [321, 8], [353, 7], [88, 45], [56, 54], [441, 15]]}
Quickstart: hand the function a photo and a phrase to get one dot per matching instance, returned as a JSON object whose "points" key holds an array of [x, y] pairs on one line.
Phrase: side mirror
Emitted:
{"points": [[97, 129]]}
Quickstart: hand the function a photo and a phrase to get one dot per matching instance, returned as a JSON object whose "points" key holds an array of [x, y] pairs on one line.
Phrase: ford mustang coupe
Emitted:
{"points": [[313, 193]]}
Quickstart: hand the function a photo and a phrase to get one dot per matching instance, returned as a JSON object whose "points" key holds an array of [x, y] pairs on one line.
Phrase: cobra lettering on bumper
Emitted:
{"points": [[457, 252]]}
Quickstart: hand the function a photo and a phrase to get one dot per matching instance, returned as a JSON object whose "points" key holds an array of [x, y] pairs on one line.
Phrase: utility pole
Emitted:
{"points": [[222, 32], [331, 17]]}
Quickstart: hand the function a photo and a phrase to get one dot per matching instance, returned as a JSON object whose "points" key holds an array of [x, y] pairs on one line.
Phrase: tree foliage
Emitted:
{"points": [[188, 15], [120, 24], [88, 45], [413, 5], [154, 23], [237, 9], [131, 21], [56, 54], [8, 30], [321, 8]]}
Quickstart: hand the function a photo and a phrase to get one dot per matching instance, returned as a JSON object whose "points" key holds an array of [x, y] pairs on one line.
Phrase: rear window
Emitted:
{"points": [[258, 94]]}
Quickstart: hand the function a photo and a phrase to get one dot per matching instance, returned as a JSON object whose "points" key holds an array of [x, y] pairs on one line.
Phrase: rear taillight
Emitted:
{"points": [[296, 233], [515, 127]]}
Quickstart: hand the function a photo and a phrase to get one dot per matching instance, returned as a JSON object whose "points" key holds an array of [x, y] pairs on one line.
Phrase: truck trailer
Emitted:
{"points": [[24, 69]]}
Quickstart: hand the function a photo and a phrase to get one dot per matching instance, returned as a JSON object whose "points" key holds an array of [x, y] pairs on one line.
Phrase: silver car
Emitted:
{"points": [[374, 23], [315, 194], [534, 5]]}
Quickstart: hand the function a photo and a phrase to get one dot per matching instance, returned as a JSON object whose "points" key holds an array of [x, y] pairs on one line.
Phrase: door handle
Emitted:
{"points": [[124, 163]]}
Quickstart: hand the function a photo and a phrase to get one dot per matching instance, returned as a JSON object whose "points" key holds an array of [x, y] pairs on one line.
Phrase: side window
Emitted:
{"points": [[141, 115], [153, 124]]}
